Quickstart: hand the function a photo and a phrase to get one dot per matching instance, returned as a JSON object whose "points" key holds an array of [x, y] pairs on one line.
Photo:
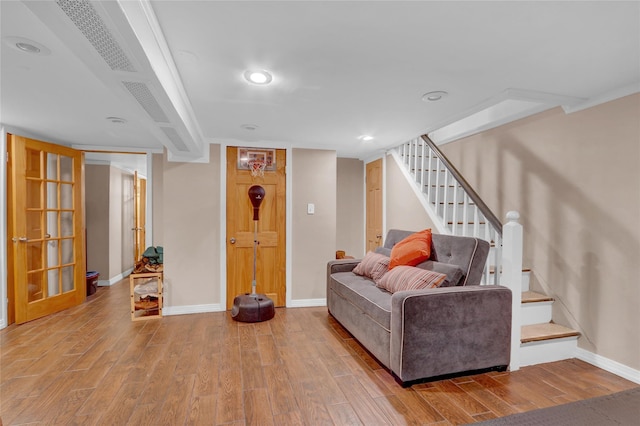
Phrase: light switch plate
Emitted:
{"points": [[311, 208]]}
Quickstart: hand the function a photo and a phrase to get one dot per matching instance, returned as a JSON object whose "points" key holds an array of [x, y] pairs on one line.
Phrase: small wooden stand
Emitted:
{"points": [[145, 305]]}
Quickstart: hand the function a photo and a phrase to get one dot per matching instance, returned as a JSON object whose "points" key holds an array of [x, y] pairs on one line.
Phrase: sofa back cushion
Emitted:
{"points": [[469, 254], [403, 278], [411, 250], [373, 266]]}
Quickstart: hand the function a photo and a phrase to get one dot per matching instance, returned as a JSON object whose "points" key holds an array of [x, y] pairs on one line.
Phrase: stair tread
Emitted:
{"points": [[532, 297], [546, 331]]}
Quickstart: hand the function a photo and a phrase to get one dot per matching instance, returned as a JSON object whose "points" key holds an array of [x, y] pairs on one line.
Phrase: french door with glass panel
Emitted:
{"points": [[46, 227]]}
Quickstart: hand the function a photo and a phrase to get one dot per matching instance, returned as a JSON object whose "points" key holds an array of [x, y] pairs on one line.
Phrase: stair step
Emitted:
{"points": [[547, 331], [533, 297]]}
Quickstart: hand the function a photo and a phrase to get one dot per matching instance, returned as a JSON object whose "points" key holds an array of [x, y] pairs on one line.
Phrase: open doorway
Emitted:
{"points": [[117, 216]]}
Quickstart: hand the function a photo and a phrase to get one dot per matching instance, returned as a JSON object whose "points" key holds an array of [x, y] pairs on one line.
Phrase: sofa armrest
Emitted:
{"points": [[449, 330], [342, 265]]}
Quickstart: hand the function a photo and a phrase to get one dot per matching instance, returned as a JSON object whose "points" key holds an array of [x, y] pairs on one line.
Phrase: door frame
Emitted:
{"points": [[3, 229], [223, 217]]}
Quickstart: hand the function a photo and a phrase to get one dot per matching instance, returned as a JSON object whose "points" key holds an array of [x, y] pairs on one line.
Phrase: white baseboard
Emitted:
{"points": [[192, 309], [608, 365], [307, 303], [113, 280], [217, 307]]}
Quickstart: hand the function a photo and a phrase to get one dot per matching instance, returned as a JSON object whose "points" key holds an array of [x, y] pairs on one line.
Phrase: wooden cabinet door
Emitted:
{"points": [[271, 236], [46, 228]]}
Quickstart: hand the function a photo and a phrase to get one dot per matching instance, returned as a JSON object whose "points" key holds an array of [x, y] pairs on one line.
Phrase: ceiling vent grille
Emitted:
{"points": [[85, 18], [175, 138], [145, 98]]}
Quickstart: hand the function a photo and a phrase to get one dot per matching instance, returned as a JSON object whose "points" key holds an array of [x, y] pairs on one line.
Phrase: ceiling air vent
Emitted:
{"points": [[145, 98], [175, 138], [85, 18]]}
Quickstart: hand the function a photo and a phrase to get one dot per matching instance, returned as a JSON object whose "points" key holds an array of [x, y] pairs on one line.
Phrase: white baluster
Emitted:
{"points": [[422, 172], [437, 188], [465, 213], [497, 254], [429, 177], [476, 222], [512, 278], [415, 158], [454, 207], [445, 199]]}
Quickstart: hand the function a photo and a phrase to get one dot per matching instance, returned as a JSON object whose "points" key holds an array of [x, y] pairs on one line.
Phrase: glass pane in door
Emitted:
{"points": [[66, 169], [52, 166], [52, 195], [66, 251], [33, 163], [34, 227], [66, 196], [67, 279], [52, 224], [53, 282], [35, 286], [34, 199], [34, 255]]}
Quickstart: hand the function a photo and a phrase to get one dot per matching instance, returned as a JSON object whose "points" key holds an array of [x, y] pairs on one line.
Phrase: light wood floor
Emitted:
{"points": [[92, 365]]}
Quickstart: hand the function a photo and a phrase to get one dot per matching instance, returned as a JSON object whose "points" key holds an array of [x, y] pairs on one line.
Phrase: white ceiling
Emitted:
{"points": [[341, 69]]}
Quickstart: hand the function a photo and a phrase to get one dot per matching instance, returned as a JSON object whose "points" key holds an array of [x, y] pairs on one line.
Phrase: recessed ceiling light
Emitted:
{"points": [[117, 120], [434, 96], [261, 77], [29, 48], [25, 45], [249, 126], [366, 138]]}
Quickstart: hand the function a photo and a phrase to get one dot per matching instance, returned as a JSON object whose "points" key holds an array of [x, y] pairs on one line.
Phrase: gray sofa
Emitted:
{"points": [[460, 326]]}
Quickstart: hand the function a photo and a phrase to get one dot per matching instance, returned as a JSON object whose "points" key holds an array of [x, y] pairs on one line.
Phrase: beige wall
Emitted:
{"points": [[575, 179], [190, 225], [191, 230], [403, 209], [97, 216], [350, 207], [313, 236]]}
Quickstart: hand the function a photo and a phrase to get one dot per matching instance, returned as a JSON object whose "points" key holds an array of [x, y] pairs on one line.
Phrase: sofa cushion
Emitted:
{"points": [[410, 278], [373, 266], [363, 294], [453, 272], [412, 250]]}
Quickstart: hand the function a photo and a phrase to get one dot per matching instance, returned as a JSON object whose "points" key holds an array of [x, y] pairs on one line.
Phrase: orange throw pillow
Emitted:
{"points": [[412, 250]]}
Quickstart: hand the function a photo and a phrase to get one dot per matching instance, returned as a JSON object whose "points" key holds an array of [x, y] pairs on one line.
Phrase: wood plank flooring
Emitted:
{"points": [[92, 365]]}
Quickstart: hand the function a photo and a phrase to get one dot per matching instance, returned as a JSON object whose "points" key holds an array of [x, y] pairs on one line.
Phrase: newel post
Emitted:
{"points": [[512, 278]]}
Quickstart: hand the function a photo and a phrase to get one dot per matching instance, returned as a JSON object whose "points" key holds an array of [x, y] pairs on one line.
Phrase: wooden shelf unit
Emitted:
{"points": [[146, 305]]}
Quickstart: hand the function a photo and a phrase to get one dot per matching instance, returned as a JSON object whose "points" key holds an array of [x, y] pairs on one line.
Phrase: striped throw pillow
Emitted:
{"points": [[410, 278], [373, 266]]}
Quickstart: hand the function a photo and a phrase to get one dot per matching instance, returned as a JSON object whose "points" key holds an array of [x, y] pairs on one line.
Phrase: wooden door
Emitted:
{"points": [[271, 236], [46, 228], [139, 216], [374, 204]]}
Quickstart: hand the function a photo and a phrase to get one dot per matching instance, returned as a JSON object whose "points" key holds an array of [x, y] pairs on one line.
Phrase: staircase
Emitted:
{"points": [[456, 209]]}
